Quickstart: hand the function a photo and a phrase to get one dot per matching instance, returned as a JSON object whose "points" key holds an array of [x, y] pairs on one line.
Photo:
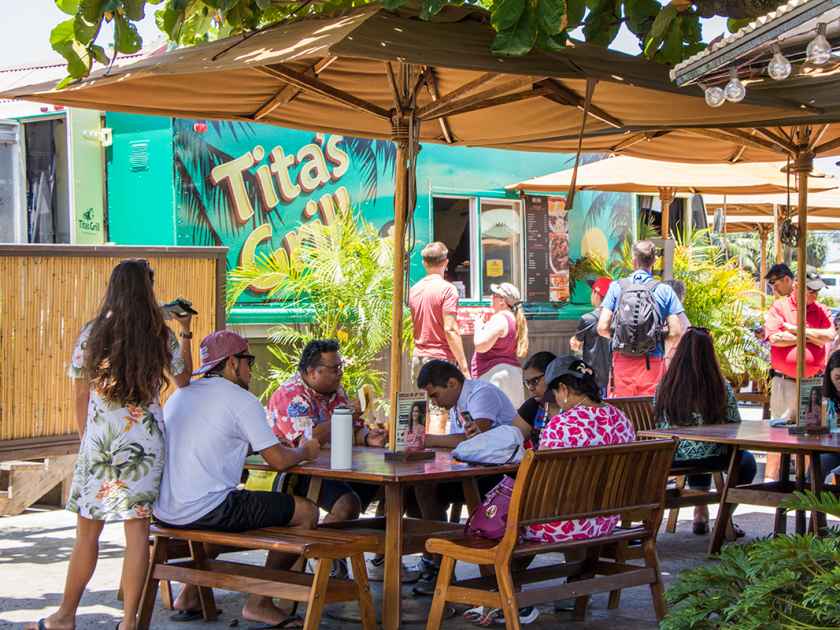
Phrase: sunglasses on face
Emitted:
{"points": [[531, 383], [338, 367], [248, 357]]}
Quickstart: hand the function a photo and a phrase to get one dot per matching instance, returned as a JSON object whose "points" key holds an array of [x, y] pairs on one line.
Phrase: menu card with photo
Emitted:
{"points": [[810, 402], [412, 411]]}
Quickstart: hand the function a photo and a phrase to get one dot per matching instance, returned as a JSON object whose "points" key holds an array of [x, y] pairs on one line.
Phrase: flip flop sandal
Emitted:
{"points": [[292, 621], [473, 615], [186, 615]]}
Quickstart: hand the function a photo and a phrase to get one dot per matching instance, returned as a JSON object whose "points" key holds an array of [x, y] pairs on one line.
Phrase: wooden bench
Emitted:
{"points": [[321, 545], [558, 485]]}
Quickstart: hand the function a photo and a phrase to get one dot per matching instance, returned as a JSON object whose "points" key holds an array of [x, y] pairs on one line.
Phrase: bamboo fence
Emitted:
{"points": [[48, 293]]}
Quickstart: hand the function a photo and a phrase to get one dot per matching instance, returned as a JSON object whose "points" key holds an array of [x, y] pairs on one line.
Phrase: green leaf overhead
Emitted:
{"points": [[552, 16], [520, 39], [506, 14]]}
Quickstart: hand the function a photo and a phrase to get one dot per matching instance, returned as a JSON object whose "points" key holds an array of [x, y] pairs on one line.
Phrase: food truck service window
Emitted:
{"points": [[484, 237]]}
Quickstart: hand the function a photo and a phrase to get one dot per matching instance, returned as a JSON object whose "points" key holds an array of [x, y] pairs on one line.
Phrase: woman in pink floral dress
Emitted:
{"points": [[584, 420], [119, 366]]}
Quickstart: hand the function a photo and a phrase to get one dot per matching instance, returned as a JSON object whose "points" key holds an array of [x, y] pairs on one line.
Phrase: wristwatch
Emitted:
{"points": [[185, 335]]}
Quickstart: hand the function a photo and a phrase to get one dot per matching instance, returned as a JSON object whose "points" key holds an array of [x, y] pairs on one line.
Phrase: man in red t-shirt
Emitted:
{"points": [[434, 310], [780, 329]]}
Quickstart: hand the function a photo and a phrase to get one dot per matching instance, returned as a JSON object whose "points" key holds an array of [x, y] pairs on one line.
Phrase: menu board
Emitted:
{"points": [[547, 249], [536, 248]]}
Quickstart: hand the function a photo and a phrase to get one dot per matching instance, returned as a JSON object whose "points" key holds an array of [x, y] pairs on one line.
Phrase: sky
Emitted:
{"points": [[26, 25]]}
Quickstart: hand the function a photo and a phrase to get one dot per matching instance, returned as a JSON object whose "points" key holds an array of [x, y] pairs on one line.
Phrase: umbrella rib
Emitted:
{"points": [[298, 79], [471, 106], [468, 87], [392, 81], [731, 136], [559, 93], [636, 139], [787, 146], [470, 102], [826, 147], [431, 86], [288, 93]]}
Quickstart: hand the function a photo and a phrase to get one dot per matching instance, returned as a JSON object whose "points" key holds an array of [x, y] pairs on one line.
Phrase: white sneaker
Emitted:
{"points": [[376, 572]]}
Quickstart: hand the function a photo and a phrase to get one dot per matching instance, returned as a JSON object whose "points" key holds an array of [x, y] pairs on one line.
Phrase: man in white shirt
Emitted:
{"points": [[210, 428]]}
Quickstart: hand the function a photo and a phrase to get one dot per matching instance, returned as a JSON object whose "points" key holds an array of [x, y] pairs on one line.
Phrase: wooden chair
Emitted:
{"points": [[639, 410], [558, 485], [321, 545]]}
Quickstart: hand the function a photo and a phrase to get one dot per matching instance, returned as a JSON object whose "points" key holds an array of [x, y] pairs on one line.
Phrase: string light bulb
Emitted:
{"points": [[819, 50], [714, 96], [734, 90], [779, 67]]}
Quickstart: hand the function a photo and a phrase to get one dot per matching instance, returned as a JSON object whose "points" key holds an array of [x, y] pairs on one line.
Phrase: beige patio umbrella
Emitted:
{"points": [[763, 214], [638, 175]]}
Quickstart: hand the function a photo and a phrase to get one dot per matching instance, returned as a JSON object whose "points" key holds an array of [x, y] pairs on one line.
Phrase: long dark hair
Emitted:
{"points": [[829, 391], [127, 351], [693, 383]]}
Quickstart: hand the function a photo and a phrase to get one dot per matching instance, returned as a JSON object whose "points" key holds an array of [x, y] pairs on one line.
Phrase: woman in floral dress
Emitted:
{"points": [[584, 420], [119, 366]]}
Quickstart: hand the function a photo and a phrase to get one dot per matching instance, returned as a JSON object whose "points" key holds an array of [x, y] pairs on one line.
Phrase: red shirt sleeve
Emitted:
{"points": [[450, 301], [773, 320]]}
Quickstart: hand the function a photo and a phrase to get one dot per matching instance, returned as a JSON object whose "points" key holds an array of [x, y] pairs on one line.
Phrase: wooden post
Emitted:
{"points": [[803, 165], [779, 255], [666, 196], [762, 268]]}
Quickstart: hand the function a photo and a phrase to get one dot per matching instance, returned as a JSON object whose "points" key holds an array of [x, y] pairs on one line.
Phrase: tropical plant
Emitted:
{"points": [[781, 583], [341, 274], [667, 33]]}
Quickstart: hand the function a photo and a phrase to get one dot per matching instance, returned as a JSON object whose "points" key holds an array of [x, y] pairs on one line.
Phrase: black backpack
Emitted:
{"points": [[637, 323]]}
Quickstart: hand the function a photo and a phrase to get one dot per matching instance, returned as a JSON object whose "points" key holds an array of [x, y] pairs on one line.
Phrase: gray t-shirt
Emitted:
{"points": [[482, 400], [209, 426]]}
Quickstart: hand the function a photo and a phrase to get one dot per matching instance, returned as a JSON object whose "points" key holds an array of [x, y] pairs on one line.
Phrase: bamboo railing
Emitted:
{"points": [[47, 293]]}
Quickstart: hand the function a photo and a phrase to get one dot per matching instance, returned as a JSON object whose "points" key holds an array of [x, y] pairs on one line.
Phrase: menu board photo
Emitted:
{"points": [[810, 402], [558, 250]]}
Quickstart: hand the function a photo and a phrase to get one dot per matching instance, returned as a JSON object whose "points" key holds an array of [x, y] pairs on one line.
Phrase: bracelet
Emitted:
{"points": [[185, 335]]}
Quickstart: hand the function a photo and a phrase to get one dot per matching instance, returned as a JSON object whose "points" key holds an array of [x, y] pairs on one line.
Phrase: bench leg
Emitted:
{"points": [[657, 593], [317, 594], [447, 567], [368, 614], [780, 522], [147, 600], [620, 553], [674, 513], [205, 595]]}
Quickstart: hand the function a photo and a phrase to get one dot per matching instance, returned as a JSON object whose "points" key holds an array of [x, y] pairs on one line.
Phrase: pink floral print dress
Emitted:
{"points": [[118, 472], [578, 427]]}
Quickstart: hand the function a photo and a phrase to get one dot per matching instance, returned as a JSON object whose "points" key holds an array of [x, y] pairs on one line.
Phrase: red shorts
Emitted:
{"points": [[632, 377]]}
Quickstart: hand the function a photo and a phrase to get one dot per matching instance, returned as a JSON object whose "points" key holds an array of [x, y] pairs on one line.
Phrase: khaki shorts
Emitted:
{"points": [[783, 398]]}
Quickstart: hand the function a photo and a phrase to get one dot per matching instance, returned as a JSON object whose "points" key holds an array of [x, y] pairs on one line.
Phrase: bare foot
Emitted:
{"points": [[53, 622], [187, 599], [262, 609]]}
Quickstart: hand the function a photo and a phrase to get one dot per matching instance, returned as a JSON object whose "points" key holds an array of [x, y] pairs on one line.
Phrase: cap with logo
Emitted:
{"points": [[218, 346]]}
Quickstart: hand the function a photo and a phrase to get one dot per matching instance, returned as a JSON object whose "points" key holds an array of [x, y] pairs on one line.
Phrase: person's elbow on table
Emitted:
{"points": [[281, 457]]}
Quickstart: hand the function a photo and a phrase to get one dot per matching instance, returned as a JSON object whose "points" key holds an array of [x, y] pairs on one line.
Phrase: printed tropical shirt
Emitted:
{"points": [[295, 409], [576, 428], [120, 464]]}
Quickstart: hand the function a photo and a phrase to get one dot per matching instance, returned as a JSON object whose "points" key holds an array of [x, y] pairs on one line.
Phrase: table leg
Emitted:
{"points": [[780, 524], [818, 519], [391, 585], [800, 485], [725, 510]]}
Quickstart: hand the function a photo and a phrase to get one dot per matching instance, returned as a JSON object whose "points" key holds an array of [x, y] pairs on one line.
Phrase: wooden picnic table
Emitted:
{"points": [[401, 535], [760, 436]]}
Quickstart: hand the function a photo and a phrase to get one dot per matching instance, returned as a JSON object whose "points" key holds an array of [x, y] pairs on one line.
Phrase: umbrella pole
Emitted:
{"points": [[762, 267], [666, 196], [777, 241], [803, 165]]}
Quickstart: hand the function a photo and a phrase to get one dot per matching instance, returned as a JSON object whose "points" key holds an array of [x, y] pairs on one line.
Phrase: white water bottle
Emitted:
{"points": [[341, 439]]}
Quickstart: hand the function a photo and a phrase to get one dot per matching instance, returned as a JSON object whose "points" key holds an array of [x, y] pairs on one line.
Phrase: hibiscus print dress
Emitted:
{"points": [[578, 427], [118, 472]]}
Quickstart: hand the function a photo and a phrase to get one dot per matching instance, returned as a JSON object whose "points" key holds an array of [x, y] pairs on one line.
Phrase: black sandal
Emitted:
{"points": [[186, 615]]}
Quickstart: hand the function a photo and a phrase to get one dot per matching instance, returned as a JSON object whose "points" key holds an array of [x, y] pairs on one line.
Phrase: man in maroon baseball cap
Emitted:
{"points": [[210, 428], [594, 348]]}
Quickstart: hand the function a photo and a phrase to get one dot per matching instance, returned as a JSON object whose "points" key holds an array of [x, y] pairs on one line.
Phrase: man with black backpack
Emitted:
{"points": [[637, 315]]}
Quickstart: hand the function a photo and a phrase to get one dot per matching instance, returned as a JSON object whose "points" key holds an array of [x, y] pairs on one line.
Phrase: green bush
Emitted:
{"points": [[782, 583]]}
